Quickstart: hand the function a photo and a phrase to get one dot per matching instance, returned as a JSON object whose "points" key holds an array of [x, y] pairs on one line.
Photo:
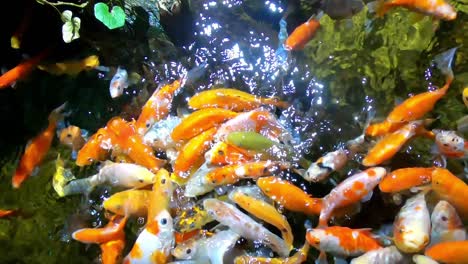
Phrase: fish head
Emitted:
{"points": [[444, 217], [118, 83], [449, 142], [445, 11], [69, 134], [185, 250], [91, 62], [315, 236]]}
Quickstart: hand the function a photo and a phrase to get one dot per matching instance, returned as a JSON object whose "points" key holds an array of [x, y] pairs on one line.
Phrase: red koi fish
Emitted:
{"points": [[302, 35]]}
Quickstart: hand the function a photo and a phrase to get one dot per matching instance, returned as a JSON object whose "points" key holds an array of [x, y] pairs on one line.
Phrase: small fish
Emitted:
{"points": [[5, 213], [356, 188], [302, 34], [324, 166], [446, 225], [37, 149], [192, 218], [128, 203], [450, 144], [439, 9], [72, 137], [97, 148], [199, 121], [452, 189], [121, 81], [266, 212], [232, 99], [299, 257], [382, 255], [245, 226], [112, 231], [405, 179], [412, 226], [342, 241], [72, 67], [21, 70], [449, 252], [159, 135], [211, 249]]}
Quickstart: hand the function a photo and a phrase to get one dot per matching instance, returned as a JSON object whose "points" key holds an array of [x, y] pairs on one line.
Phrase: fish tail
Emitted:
{"points": [[80, 186], [444, 62], [58, 114]]}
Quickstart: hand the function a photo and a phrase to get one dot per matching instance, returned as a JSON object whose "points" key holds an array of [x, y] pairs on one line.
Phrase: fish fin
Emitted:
{"points": [[35, 171], [444, 61], [74, 154], [322, 258], [367, 197]]}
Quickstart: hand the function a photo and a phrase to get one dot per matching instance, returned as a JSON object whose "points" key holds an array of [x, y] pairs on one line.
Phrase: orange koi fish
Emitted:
{"points": [[71, 136], [382, 128], [131, 144], [112, 231], [437, 8], [302, 35], [266, 212], [446, 225], [128, 203], [299, 257], [223, 153], [192, 153], [5, 213], [352, 190], [155, 242], [342, 241], [21, 70], [37, 149], [232, 99], [412, 226], [112, 250], [405, 179], [97, 148], [449, 252], [389, 145], [199, 121], [289, 196], [157, 107], [452, 189]]}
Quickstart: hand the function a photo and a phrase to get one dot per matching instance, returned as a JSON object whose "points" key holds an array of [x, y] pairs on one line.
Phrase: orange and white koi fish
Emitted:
{"points": [[210, 249], [330, 162], [449, 252], [302, 35], [128, 203], [450, 145], [157, 107], [298, 258], [412, 226], [289, 196], [452, 189], [245, 226], [199, 121], [232, 99], [5, 213], [342, 241], [446, 224], [111, 252], [72, 137], [389, 145], [405, 179], [125, 175], [352, 190], [21, 70], [112, 231], [155, 242], [97, 148], [37, 149], [439, 9], [266, 212], [72, 67], [381, 255], [192, 153], [222, 153]]}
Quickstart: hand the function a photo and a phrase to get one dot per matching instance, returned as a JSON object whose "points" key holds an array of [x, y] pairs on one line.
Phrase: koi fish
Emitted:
{"points": [[222, 153], [302, 34], [299, 257], [72, 137], [265, 212], [112, 231], [352, 190], [289, 196], [210, 249], [439, 9], [245, 226], [62, 177], [192, 218], [159, 135], [405, 179], [21, 70], [97, 148], [72, 67], [121, 80], [117, 174], [446, 224], [199, 121], [155, 242], [412, 226], [450, 144], [324, 166], [449, 252], [450, 188], [421, 259], [37, 149], [465, 96], [232, 99], [342, 241], [192, 153], [389, 145], [128, 203], [5, 213], [382, 255], [111, 252], [17, 37], [197, 184]]}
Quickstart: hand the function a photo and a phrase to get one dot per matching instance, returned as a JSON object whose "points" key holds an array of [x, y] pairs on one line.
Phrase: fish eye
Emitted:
{"points": [[163, 221], [69, 135], [188, 251], [99, 136], [163, 181], [444, 218], [147, 125], [140, 180], [90, 159]]}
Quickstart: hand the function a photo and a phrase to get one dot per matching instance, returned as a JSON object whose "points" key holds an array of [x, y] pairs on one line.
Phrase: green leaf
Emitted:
{"points": [[71, 26], [112, 20]]}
